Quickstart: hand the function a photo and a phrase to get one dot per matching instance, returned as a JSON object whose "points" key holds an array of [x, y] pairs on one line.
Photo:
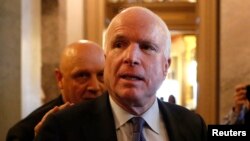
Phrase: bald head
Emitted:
{"points": [[80, 76], [84, 49]]}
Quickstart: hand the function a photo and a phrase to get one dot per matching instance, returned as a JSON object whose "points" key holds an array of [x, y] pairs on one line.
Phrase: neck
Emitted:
{"points": [[135, 108]]}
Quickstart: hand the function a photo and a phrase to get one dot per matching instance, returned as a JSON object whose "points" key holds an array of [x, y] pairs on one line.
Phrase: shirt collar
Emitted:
{"points": [[152, 117], [121, 116]]}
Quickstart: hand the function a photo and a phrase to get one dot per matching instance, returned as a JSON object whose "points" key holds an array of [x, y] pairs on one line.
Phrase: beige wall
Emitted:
{"points": [[31, 42], [94, 20], [10, 56], [61, 24], [234, 49], [207, 57]]}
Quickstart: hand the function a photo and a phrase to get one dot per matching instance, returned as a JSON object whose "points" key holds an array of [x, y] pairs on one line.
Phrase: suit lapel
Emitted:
{"points": [[101, 126], [170, 122]]}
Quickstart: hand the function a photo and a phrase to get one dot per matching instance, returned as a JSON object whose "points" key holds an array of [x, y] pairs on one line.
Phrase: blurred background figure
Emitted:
{"points": [[239, 114], [171, 99]]}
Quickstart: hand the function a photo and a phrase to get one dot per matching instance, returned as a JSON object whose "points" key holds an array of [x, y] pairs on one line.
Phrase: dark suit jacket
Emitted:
{"points": [[24, 129], [93, 121], [247, 117]]}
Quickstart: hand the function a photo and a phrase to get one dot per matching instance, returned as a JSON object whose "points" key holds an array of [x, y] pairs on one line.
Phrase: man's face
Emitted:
{"points": [[83, 78], [135, 62]]}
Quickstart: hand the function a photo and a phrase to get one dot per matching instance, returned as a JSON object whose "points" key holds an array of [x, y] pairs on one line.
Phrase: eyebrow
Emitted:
{"points": [[119, 37], [122, 37]]}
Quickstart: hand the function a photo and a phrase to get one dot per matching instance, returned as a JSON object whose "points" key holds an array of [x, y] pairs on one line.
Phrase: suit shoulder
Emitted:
{"points": [[24, 129], [42, 110], [91, 107], [180, 112]]}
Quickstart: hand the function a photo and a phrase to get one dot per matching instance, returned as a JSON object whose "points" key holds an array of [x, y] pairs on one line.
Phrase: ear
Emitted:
{"points": [[59, 78], [166, 66]]}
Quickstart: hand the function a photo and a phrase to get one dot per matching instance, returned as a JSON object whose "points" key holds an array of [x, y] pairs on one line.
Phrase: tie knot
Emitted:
{"points": [[138, 123]]}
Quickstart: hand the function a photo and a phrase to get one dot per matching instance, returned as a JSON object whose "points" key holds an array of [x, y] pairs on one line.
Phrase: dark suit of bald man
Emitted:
{"points": [[24, 129]]}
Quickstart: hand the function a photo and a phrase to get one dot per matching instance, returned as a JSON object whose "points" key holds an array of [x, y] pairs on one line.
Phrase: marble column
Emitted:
{"points": [[10, 56]]}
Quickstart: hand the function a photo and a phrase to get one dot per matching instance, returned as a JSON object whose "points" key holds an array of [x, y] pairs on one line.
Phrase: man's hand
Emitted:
{"points": [[240, 97], [54, 110]]}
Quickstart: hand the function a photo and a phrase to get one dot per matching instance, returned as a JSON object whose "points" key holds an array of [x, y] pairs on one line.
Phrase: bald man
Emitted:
{"points": [[137, 50], [79, 78]]}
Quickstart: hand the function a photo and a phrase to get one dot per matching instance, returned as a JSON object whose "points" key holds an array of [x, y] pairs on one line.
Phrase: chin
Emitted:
{"points": [[130, 95]]}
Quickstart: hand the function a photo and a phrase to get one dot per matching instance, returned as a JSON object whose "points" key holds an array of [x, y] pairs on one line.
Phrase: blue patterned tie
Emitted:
{"points": [[138, 124]]}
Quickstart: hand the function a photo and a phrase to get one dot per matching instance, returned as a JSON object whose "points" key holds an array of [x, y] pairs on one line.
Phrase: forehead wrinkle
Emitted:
{"points": [[122, 32]]}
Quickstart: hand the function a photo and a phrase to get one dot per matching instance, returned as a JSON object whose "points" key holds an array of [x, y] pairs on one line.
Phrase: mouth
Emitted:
{"points": [[132, 77], [88, 98]]}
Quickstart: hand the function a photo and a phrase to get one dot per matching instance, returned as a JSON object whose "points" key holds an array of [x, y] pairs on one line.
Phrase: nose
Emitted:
{"points": [[94, 85], [132, 54]]}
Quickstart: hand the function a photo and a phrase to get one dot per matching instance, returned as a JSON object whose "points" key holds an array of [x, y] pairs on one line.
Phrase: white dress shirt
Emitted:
{"points": [[155, 131]]}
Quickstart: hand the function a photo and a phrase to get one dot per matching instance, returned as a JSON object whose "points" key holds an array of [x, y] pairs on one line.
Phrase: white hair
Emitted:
{"points": [[162, 24]]}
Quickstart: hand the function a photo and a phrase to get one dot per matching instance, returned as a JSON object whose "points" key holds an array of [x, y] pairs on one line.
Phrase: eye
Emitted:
{"points": [[120, 43], [148, 47], [117, 44], [100, 76], [81, 76]]}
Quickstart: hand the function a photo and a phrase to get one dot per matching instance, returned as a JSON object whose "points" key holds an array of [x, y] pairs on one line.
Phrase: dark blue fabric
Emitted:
{"points": [[138, 124]]}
